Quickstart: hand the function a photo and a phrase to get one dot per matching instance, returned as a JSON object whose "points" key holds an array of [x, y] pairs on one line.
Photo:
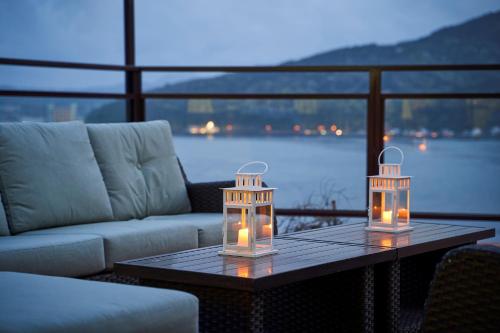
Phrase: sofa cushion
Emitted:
{"points": [[65, 255], [209, 225], [34, 303], [132, 239], [140, 169], [49, 176], [4, 227]]}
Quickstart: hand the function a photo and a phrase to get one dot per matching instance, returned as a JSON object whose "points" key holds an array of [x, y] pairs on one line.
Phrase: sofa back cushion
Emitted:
{"points": [[4, 227], [140, 169], [49, 176]]}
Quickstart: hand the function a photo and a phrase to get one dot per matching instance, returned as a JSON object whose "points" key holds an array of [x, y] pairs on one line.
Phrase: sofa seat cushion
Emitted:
{"points": [[34, 303], [140, 169], [133, 239], [49, 176], [209, 225], [64, 255]]}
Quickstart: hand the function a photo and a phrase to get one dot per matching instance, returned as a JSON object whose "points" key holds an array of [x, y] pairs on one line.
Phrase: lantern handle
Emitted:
{"points": [[266, 167], [392, 147]]}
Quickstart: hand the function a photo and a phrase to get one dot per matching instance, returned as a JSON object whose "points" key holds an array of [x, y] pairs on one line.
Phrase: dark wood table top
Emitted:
{"points": [[425, 236], [302, 255], [297, 260]]}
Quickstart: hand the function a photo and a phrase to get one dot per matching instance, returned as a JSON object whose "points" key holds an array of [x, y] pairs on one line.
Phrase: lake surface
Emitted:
{"points": [[450, 176]]}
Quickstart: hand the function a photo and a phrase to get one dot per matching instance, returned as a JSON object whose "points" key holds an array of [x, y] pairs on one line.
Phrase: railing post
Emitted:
{"points": [[375, 124], [133, 82], [137, 102]]}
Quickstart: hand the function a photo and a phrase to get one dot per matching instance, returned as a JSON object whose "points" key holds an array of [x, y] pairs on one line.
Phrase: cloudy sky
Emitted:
{"points": [[206, 32]]}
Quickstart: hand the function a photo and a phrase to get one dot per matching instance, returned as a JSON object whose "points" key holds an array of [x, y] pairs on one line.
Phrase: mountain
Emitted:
{"points": [[473, 42]]}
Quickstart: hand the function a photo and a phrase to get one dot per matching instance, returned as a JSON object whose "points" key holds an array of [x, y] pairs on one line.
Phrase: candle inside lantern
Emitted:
{"points": [[267, 230], [387, 216], [243, 237], [403, 213]]}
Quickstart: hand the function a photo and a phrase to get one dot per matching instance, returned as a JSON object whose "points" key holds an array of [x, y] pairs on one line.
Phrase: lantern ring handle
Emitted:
{"points": [[392, 147], [266, 167]]}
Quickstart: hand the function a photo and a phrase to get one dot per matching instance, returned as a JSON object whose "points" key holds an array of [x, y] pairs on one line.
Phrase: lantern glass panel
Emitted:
{"points": [[383, 204], [238, 234], [263, 226], [404, 208]]}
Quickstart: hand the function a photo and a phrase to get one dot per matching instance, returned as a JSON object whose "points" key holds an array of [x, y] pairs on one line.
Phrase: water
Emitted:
{"points": [[450, 176]]}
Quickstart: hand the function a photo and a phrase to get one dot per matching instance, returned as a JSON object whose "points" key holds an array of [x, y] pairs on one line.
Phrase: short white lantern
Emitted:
{"points": [[389, 198], [248, 215]]}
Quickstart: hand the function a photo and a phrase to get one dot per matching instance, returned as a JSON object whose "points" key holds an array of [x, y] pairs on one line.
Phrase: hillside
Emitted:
{"points": [[473, 42]]}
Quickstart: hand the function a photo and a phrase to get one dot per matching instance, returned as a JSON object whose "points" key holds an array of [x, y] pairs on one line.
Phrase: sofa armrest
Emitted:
{"points": [[207, 197]]}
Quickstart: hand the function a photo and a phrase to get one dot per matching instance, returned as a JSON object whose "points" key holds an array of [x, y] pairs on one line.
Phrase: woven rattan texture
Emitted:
{"points": [[336, 302], [465, 293], [111, 277], [387, 297], [207, 197]]}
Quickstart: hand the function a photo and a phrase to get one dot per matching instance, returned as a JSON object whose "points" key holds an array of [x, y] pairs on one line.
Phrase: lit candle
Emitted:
{"points": [[403, 213], [387, 216], [243, 237], [267, 230]]}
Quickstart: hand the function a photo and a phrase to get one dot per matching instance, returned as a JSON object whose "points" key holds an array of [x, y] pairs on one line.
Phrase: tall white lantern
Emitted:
{"points": [[389, 198], [248, 215]]}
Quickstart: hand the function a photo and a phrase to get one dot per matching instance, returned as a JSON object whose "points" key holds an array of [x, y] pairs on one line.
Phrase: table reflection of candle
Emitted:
{"points": [[243, 237], [403, 213], [387, 242], [243, 271], [387, 216], [267, 230]]}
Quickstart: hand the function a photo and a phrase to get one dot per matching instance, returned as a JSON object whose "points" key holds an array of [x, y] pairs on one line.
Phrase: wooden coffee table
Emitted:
{"points": [[320, 280], [308, 286]]}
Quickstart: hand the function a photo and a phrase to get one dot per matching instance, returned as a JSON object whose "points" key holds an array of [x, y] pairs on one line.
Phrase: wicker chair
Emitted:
{"points": [[464, 295]]}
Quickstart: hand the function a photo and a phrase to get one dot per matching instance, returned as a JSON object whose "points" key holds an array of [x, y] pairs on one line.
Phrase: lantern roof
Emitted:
{"points": [[389, 177], [249, 188]]}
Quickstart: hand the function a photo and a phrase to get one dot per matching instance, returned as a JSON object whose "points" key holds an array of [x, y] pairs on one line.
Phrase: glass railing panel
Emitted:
{"points": [[58, 79], [483, 81], [14, 109], [452, 150], [316, 149], [247, 83]]}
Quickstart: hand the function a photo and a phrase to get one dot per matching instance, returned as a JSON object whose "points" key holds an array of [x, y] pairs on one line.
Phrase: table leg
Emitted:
{"points": [[369, 299], [387, 297]]}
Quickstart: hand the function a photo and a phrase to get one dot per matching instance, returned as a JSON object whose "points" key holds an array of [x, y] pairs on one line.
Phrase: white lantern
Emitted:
{"points": [[389, 198], [248, 215]]}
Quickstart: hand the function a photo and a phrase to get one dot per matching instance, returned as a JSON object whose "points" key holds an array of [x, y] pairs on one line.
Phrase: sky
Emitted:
{"points": [[205, 32]]}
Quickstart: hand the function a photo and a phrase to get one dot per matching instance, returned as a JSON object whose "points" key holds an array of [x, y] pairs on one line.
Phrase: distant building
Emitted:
{"points": [[200, 106], [306, 106], [406, 113], [60, 113]]}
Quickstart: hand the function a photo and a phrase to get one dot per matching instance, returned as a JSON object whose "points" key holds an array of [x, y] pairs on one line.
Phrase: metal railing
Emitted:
{"points": [[135, 99]]}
